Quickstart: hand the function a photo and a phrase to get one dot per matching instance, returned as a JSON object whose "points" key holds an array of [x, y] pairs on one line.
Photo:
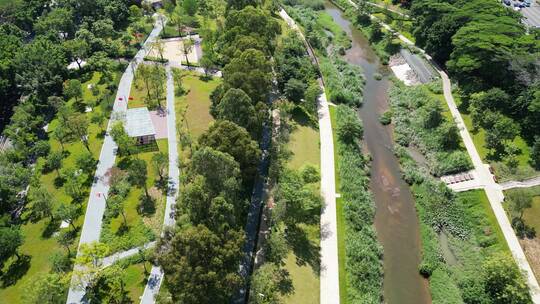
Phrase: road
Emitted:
{"points": [[329, 276], [91, 228], [156, 274], [493, 190]]}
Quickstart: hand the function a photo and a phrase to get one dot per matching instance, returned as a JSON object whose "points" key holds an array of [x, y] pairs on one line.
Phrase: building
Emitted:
{"points": [[139, 125]]}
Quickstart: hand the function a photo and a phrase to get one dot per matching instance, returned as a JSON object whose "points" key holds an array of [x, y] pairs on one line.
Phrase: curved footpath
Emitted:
{"points": [[91, 229], [329, 276], [156, 274], [493, 190]]}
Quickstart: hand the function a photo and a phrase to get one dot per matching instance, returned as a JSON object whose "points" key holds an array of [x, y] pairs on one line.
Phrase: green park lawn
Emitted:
{"points": [[532, 215], [524, 169], [135, 280], [38, 238], [304, 145], [482, 209], [193, 108], [144, 227], [139, 94]]}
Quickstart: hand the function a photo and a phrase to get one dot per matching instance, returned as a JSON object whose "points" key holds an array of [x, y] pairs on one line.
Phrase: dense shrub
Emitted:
{"points": [[343, 81], [419, 121], [363, 252]]}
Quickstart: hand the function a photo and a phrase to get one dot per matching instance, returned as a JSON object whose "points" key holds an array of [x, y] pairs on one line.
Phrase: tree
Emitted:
{"points": [[116, 205], [236, 106], [77, 50], [42, 203], [269, 284], [160, 162], [276, 247], [86, 162], [200, 266], [504, 281], [65, 239], [46, 288], [108, 286], [295, 90], [11, 239], [59, 21], [98, 118], [535, 153], [220, 171], [138, 172], [68, 213], [207, 64], [159, 47], [144, 72], [499, 132], [126, 144], [520, 199], [349, 127], [251, 72], [228, 137], [75, 180], [54, 161], [40, 67], [187, 47], [157, 80], [78, 128], [190, 7], [61, 135], [73, 89]]}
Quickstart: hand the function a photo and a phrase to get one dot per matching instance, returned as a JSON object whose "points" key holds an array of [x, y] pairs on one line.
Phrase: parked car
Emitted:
{"points": [[527, 3], [507, 2]]}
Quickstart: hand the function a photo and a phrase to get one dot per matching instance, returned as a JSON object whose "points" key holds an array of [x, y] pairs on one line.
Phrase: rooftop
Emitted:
{"points": [[139, 123]]}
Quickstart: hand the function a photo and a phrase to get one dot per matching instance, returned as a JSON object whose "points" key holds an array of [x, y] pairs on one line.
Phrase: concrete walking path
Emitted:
{"points": [[329, 275], [108, 261], [95, 209], [156, 274]]}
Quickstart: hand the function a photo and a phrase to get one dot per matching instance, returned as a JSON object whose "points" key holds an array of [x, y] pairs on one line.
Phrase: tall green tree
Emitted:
{"points": [[228, 137], [504, 281], [250, 72], [201, 267], [46, 289], [138, 172], [11, 239]]}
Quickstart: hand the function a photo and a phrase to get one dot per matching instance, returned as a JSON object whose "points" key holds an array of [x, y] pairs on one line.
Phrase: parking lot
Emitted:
{"points": [[531, 14]]}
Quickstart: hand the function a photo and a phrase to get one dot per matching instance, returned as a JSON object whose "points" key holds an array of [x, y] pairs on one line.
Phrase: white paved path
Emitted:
{"points": [[108, 261], [329, 276], [91, 229], [156, 274]]}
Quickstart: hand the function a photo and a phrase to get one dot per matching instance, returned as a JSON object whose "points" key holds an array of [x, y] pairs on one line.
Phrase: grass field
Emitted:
{"points": [[192, 109], [36, 241], [531, 217], [304, 144], [135, 280], [139, 224], [139, 94]]}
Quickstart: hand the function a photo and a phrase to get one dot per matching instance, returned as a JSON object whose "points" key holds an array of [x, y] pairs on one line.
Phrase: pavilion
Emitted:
{"points": [[139, 125]]}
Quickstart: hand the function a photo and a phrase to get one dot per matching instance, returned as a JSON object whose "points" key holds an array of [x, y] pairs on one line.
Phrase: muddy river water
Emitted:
{"points": [[396, 221]]}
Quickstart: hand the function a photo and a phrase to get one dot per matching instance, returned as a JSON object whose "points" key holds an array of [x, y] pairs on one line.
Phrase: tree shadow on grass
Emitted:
{"points": [[147, 205], [306, 251], [50, 228], [59, 182], [16, 270]]}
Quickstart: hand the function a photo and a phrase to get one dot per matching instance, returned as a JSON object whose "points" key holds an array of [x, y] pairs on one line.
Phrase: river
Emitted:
{"points": [[396, 221]]}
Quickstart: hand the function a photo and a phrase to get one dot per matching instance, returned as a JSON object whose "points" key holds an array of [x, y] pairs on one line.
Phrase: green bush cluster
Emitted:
{"points": [[455, 268], [420, 122], [343, 81], [363, 252]]}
